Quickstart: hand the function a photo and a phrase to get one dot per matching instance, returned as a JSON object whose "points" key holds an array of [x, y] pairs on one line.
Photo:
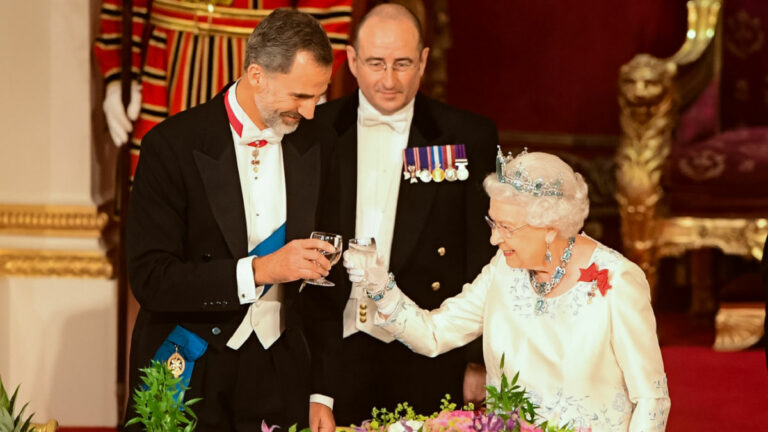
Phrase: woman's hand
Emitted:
{"points": [[369, 271], [365, 268]]}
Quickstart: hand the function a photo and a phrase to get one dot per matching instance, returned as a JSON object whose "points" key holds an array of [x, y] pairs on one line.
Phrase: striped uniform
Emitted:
{"points": [[194, 48]]}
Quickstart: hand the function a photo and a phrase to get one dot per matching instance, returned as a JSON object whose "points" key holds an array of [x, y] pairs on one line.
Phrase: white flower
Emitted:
{"points": [[398, 427]]}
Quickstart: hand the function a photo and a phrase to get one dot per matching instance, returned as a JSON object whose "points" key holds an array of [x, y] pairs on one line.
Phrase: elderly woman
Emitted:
{"points": [[571, 315]]}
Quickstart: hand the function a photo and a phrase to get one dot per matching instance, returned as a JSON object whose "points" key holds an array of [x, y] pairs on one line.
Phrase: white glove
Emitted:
{"points": [[119, 120], [365, 269]]}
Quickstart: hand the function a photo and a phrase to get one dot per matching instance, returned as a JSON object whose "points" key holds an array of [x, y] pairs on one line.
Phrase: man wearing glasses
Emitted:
{"points": [[401, 182]]}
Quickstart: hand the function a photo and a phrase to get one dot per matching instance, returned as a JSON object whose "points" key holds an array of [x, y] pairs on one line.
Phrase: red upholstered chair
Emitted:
{"points": [[692, 165]]}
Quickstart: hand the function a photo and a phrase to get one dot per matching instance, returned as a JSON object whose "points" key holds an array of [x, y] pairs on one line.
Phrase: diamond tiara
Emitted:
{"points": [[522, 181]]}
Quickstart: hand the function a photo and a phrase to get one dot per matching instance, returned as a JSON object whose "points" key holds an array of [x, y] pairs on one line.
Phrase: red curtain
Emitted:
{"points": [[552, 65]]}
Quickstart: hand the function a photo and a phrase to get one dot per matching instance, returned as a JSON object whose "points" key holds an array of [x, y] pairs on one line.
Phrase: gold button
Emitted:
{"points": [[435, 286], [363, 319], [362, 313], [441, 251], [363, 306]]}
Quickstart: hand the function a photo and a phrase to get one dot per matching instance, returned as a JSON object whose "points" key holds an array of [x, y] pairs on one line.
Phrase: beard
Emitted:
{"points": [[273, 118]]}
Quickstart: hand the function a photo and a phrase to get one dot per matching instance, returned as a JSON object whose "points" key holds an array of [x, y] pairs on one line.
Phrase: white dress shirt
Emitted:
{"points": [[380, 143], [265, 211]]}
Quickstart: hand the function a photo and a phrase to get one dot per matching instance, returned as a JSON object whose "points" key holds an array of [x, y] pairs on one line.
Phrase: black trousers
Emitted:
{"points": [[381, 375], [241, 388]]}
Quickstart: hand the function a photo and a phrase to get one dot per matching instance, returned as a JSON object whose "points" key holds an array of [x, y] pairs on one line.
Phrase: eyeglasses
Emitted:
{"points": [[505, 232], [399, 66]]}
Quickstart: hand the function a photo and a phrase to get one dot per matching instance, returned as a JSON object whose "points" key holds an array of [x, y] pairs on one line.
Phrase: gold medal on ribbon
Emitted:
{"points": [[436, 153], [438, 174], [176, 363]]}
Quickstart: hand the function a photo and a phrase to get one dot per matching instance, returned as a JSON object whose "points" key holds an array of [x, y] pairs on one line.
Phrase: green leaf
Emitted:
{"points": [[156, 405]]}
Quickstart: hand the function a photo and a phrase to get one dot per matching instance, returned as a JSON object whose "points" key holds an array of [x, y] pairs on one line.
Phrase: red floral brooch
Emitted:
{"points": [[599, 279]]}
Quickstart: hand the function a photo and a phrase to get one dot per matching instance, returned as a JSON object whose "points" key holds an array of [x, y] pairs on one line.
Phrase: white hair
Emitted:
{"points": [[565, 213]]}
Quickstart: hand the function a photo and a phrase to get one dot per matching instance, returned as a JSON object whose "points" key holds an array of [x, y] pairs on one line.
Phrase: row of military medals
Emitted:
{"points": [[426, 163]]}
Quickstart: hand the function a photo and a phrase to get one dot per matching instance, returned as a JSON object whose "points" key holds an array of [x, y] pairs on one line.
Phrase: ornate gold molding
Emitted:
{"points": [[44, 263], [733, 236], [51, 426], [50, 220], [739, 327]]}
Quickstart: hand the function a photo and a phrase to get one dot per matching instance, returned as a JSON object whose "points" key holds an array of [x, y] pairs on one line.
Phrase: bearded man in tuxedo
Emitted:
{"points": [[223, 203]]}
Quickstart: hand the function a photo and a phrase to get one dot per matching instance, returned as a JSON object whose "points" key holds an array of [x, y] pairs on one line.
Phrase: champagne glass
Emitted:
{"points": [[366, 246], [336, 241]]}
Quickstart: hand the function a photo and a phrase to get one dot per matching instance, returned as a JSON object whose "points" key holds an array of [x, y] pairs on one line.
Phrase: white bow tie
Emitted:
{"points": [[398, 122]]}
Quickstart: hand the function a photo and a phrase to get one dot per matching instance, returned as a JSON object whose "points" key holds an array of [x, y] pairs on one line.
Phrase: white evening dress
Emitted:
{"points": [[591, 363]]}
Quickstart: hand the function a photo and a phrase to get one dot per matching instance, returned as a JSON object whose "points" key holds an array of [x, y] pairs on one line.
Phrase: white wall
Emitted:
{"points": [[57, 336]]}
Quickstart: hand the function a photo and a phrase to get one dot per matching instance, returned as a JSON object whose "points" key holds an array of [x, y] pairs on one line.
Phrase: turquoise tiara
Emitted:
{"points": [[522, 181]]}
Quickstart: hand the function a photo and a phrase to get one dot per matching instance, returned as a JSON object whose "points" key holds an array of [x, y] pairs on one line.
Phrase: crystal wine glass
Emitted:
{"points": [[336, 241], [367, 247]]}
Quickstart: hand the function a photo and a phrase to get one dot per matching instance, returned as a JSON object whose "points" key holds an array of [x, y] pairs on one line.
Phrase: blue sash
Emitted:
{"points": [[275, 241], [191, 347]]}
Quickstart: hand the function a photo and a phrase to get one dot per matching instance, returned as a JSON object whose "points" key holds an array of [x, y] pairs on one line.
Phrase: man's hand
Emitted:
{"points": [[299, 259], [474, 383], [321, 418]]}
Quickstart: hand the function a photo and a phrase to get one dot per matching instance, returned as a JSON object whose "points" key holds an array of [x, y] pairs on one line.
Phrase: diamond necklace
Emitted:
{"points": [[544, 288]]}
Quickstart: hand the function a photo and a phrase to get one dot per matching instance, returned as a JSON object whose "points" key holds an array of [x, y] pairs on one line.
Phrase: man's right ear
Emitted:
{"points": [[254, 74], [352, 59]]}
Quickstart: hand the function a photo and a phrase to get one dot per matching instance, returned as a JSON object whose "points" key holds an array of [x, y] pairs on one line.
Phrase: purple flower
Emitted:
{"points": [[405, 425], [489, 423], [364, 427], [265, 428]]}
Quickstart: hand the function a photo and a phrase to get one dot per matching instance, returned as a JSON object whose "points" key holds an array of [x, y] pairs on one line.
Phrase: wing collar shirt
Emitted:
{"points": [[381, 140], [265, 211]]}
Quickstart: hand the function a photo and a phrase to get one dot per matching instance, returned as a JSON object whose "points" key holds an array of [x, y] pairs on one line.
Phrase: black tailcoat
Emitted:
{"points": [[431, 218], [186, 232]]}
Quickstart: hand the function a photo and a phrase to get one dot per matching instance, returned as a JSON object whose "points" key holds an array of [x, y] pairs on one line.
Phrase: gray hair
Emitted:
{"points": [[277, 39], [565, 213]]}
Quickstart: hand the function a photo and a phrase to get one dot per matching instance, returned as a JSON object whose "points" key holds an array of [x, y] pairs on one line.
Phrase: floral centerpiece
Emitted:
{"points": [[507, 409]]}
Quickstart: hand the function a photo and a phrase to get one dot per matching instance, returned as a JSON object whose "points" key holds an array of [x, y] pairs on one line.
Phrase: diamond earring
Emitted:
{"points": [[547, 254]]}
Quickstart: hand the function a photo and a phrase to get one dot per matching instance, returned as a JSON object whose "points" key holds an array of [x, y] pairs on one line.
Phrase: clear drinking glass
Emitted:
{"points": [[367, 246], [337, 242]]}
